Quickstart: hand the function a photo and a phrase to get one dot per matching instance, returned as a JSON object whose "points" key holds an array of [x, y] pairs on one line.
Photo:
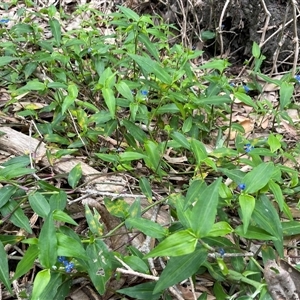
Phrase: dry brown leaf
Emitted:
{"points": [[282, 280]]}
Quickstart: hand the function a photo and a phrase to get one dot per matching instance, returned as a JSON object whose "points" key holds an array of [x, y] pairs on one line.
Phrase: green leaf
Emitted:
{"points": [[181, 140], [69, 247], [170, 108], [18, 218], [199, 151], [146, 188], [4, 274], [75, 175], [5, 194], [291, 228], [29, 69], [285, 94], [193, 192], [267, 218], [50, 292], [99, 264], [61, 216], [107, 157], [125, 91], [10, 172], [11, 239], [146, 226], [34, 86], [41, 280], [56, 30], [151, 66], [39, 204], [255, 50], [245, 99], [276, 190], [258, 177], [274, 143], [130, 14], [136, 263], [135, 131], [207, 35], [129, 156], [48, 243], [219, 64], [220, 229], [58, 201], [27, 262], [55, 138], [93, 220], [150, 46], [135, 208], [255, 233], [110, 100], [142, 291], [118, 208], [5, 60], [180, 268], [213, 100], [70, 98], [153, 159], [179, 243], [204, 212], [247, 204]]}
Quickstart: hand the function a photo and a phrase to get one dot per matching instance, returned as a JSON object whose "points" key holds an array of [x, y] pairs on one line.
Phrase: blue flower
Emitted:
{"points": [[232, 84], [242, 186], [144, 92], [4, 21], [248, 148], [90, 50], [62, 259], [297, 77], [246, 88], [69, 267], [221, 251]]}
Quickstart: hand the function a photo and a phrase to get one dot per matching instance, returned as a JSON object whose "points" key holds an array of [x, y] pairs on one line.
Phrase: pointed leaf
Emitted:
{"points": [[75, 175], [286, 93], [59, 215], [151, 66], [258, 177], [27, 262], [4, 274], [150, 46], [142, 291], [146, 226], [5, 60], [276, 190], [56, 30], [193, 192], [48, 243], [130, 14], [146, 188], [69, 247], [180, 268], [39, 204], [95, 226], [18, 217], [99, 261], [135, 131], [41, 280], [110, 100], [205, 210], [199, 150], [266, 217], [247, 204], [179, 243]]}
